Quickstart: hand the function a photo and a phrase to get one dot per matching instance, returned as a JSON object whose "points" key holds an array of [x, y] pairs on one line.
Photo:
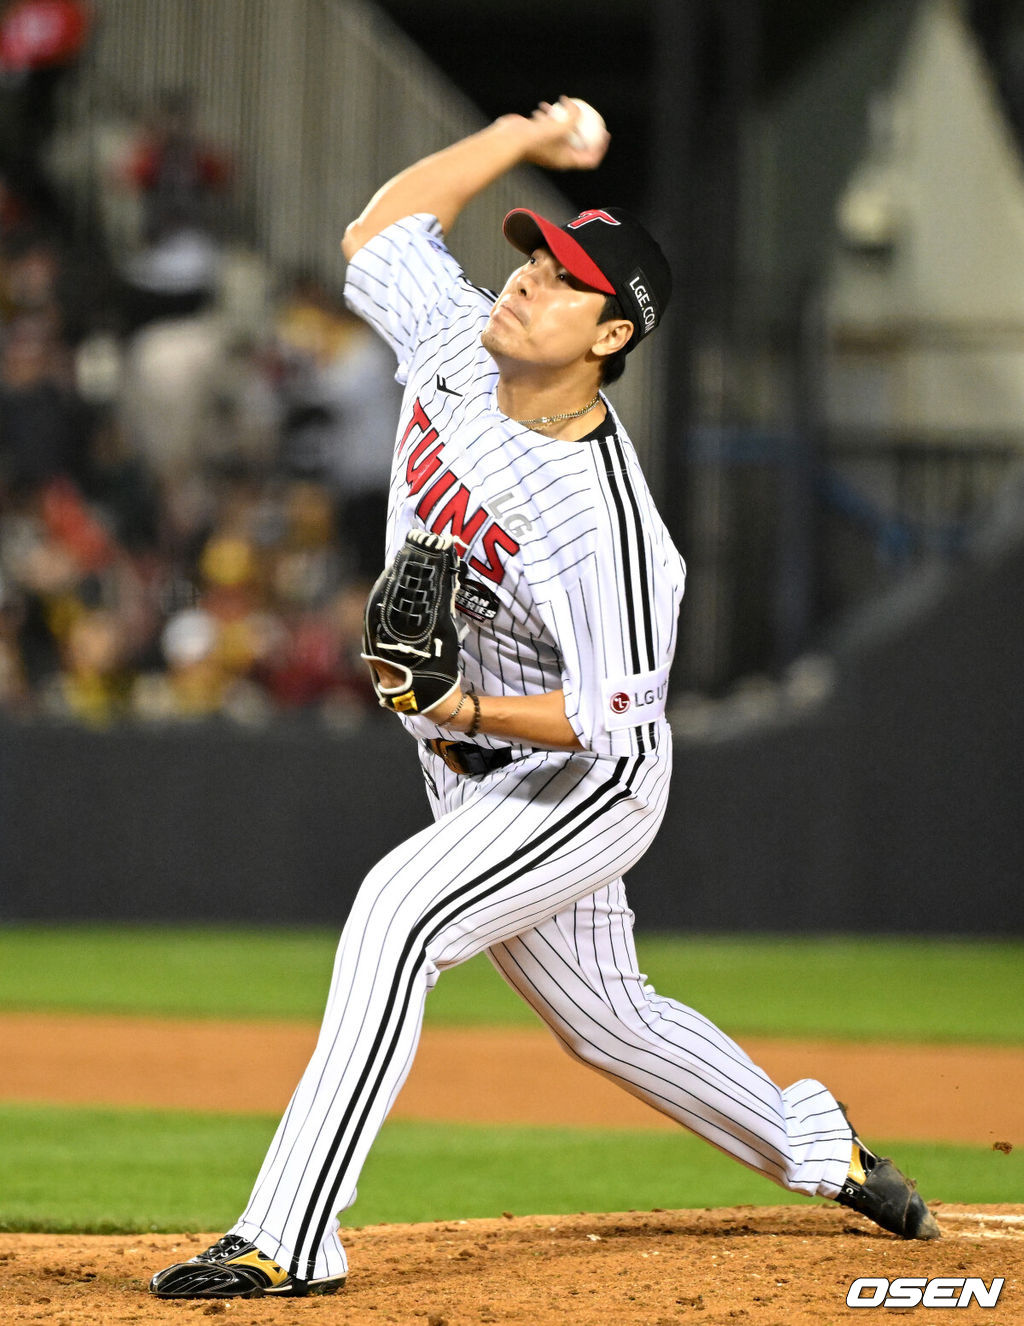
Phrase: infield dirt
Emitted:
{"points": [[937, 1093], [763, 1266]]}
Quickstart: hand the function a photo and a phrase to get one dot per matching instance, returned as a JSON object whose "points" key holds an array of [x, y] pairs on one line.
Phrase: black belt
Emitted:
{"points": [[463, 757]]}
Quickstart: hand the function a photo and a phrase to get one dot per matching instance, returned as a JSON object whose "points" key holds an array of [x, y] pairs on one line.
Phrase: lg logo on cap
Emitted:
{"points": [[645, 304]]}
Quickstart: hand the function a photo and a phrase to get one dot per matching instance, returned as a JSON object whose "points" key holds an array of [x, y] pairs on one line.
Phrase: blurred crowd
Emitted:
{"points": [[190, 517]]}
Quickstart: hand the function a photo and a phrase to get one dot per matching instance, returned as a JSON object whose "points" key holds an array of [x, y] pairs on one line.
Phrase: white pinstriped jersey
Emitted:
{"points": [[573, 581]]}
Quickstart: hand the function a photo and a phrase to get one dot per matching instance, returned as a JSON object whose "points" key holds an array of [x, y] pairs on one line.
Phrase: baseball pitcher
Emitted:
{"points": [[522, 631]]}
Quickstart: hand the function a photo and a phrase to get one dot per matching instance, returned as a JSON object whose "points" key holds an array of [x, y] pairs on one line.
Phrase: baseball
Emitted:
{"points": [[590, 128]]}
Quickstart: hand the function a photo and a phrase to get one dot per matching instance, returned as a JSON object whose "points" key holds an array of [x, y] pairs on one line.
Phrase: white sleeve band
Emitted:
{"points": [[635, 700]]}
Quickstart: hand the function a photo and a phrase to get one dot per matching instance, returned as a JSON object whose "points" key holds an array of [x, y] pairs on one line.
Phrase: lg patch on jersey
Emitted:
{"points": [[476, 601], [634, 700]]}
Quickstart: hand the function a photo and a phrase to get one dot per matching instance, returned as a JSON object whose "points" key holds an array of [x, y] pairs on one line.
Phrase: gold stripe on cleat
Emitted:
{"points": [[259, 1261]]}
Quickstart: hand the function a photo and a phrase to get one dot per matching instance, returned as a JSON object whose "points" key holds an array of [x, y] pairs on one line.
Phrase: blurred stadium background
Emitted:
{"points": [[832, 422]]}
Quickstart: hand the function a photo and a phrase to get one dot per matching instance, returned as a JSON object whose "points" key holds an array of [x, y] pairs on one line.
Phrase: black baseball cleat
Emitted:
{"points": [[235, 1268], [877, 1189]]}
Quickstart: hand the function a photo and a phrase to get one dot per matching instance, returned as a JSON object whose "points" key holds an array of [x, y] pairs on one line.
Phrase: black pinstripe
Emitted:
{"points": [[320, 1208], [635, 590], [626, 1074]]}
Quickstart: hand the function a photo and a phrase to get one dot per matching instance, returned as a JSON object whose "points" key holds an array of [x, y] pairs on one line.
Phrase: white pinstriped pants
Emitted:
{"points": [[527, 863]]}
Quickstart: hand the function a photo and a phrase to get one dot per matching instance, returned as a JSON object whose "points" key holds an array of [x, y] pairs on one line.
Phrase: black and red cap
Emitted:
{"points": [[607, 249]]}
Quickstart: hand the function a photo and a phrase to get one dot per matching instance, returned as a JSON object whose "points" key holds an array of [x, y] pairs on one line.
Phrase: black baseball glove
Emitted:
{"points": [[410, 626]]}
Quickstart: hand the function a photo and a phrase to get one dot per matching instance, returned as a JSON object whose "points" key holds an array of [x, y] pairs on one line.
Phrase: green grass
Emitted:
{"points": [[208, 972], [133, 1170], [113, 1171], [911, 988], [848, 987]]}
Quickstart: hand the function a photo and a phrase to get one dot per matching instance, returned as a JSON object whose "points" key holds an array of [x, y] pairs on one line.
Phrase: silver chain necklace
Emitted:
{"points": [[560, 418]]}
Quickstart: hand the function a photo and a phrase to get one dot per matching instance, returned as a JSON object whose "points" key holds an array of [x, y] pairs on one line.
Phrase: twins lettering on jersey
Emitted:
{"points": [[445, 501]]}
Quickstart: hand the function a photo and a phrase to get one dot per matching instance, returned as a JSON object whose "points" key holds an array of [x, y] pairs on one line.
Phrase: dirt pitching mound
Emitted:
{"points": [[748, 1266]]}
